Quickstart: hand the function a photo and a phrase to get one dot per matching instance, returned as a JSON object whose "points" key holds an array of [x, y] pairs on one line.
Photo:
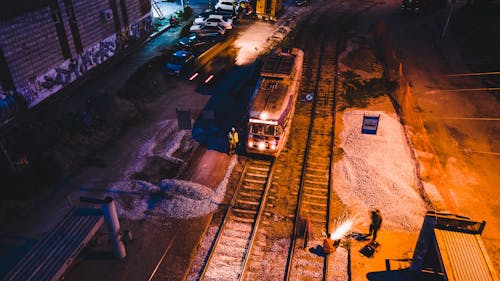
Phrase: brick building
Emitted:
{"points": [[47, 44]]}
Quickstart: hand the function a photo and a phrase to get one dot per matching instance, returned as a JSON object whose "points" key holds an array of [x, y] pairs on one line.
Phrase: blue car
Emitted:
{"points": [[179, 62]]}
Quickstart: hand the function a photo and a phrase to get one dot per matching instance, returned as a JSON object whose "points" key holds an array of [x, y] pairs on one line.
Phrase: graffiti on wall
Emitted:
{"points": [[142, 28], [135, 32], [39, 88]]}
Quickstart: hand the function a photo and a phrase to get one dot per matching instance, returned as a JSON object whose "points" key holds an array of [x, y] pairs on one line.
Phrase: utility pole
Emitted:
{"points": [[448, 18]]}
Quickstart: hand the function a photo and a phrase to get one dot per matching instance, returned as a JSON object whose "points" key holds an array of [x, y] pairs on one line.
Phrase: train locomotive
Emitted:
{"points": [[273, 101]]}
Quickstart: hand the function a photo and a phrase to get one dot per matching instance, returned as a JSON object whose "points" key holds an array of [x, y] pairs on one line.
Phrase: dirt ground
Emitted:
{"points": [[466, 145]]}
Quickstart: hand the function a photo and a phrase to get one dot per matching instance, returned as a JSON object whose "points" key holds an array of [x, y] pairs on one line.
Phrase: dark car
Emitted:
{"points": [[418, 6], [179, 62], [195, 41]]}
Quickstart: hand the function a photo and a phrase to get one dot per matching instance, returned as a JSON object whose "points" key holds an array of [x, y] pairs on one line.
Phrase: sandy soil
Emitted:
{"points": [[467, 149]]}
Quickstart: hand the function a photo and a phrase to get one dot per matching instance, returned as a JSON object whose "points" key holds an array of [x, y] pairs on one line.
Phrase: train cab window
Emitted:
{"points": [[262, 129], [279, 131]]}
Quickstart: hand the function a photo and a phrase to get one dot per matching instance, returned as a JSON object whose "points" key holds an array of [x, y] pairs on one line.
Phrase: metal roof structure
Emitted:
{"points": [[451, 245], [51, 256], [279, 64], [271, 98], [277, 86], [463, 256]]}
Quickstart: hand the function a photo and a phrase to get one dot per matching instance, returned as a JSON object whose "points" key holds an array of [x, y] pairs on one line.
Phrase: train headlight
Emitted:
{"points": [[263, 115], [261, 145], [272, 143], [250, 140]]}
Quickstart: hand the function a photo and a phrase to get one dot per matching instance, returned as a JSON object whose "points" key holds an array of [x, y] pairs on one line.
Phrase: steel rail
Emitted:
{"points": [[303, 170], [259, 216], [222, 224], [474, 74], [330, 225]]}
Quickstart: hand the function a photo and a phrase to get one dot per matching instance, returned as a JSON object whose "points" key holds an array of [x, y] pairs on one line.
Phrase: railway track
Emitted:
{"points": [[315, 180], [228, 255], [304, 173], [302, 185]]}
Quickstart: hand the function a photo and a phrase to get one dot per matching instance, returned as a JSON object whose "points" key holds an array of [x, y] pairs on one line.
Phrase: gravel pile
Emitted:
{"points": [[171, 198], [377, 171]]}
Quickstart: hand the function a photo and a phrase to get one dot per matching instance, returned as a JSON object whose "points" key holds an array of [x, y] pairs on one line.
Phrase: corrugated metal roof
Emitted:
{"points": [[50, 257], [463, 256]]}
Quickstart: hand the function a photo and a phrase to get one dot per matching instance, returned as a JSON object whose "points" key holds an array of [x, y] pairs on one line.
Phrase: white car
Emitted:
{"points": [[206, 30], [228, 5], [215, 20]]}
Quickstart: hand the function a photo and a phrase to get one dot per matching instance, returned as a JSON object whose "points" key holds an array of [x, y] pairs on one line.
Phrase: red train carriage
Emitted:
{"points": [[273, 102]]}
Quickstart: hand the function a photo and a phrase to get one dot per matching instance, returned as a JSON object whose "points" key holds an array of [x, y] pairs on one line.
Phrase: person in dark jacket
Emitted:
{"points": [[376, 223]]}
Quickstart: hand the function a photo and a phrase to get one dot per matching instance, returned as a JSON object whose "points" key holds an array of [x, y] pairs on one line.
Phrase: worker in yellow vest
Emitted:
{"points": [[233, 140]]}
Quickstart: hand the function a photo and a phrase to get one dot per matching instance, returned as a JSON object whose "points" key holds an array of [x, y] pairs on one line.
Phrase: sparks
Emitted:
{"points": [[342, 230]]}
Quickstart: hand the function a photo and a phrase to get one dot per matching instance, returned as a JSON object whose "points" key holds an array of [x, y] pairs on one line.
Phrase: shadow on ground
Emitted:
{"points": [[402, 275], [228, 107]]}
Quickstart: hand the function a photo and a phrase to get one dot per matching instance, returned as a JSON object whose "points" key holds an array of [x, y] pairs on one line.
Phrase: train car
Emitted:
{"points": [[273, 101]]}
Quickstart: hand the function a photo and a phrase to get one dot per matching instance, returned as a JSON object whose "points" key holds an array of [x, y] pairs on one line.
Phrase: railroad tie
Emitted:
{"points": [[255, 181], [245, 211], [248, 202], [257, 175], [250, 194], [243, 220], [253, 187], [320, 189], [316, 196], [316, 182], [324, 205]]}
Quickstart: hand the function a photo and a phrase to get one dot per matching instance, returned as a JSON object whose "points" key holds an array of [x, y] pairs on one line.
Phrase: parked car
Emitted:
{"points": [[227, 14], [205, 30], [196, 27], [228, 5], [214, 20], [418, 6], [195, 40], [179, 62], [205, 13]]}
